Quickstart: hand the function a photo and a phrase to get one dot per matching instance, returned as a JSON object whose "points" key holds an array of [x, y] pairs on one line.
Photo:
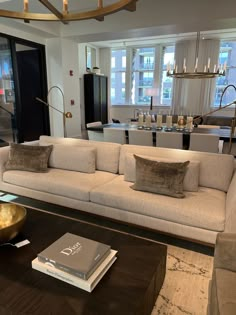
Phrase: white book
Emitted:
{"points": [[87, 285]]}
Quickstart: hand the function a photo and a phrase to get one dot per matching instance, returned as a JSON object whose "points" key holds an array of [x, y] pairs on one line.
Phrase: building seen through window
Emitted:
{"points": [[134, 70], [228, 55]]}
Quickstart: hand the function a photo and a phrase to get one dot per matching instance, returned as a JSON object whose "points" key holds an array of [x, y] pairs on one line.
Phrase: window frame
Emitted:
{"points": [[157, 74]]}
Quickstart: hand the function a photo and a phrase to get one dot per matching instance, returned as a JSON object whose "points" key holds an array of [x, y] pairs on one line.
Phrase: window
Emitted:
{"points": [[166, 87], [142, 74], [118, 76], [228, 55], [133, 70]]}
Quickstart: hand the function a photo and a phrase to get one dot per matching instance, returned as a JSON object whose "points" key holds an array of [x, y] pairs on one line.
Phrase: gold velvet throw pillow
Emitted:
{"points": [[165, 178], [28, 158]]}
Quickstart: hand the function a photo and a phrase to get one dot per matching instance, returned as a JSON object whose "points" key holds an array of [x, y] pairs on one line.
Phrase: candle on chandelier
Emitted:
{"points": [[196, 64], [65, 6], [168, 67], [184, 66], [208, 64], [26, 5], [225, 66]]}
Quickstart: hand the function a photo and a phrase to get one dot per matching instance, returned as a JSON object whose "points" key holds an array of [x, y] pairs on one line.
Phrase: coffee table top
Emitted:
{"points": [[121, 291]]}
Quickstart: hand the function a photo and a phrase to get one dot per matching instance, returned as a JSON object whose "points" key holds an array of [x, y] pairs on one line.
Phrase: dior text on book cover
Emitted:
{"points": [[76, 255]]}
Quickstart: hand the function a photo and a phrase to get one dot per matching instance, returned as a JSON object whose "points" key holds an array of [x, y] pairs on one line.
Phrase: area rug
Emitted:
{"points": [[185, 289]]}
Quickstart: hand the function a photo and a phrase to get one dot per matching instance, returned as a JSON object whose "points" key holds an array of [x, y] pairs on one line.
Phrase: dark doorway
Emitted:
{"points": [[33, 120]]}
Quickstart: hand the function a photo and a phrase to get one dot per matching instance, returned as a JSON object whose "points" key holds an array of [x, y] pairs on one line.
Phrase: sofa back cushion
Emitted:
{"points": [[216, 170], [73, 158], [191, 178], [107, 154]]}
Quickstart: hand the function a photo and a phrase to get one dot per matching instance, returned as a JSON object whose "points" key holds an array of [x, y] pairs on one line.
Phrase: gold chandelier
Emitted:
{"points": [[208, 72], [65, 16]]}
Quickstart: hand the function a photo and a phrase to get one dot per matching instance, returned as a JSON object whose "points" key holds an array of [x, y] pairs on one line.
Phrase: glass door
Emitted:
{"points": [[8, 130]]}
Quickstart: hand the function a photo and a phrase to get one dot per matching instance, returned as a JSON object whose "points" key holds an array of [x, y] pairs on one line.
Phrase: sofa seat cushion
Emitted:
{"points": [[65, 183], [225, 281], [204, 209]]}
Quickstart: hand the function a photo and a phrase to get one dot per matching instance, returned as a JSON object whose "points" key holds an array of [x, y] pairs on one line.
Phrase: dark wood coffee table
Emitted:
{"points": [[131, 286]]}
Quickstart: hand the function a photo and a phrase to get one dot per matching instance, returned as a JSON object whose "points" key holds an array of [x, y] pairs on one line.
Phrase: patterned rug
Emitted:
{"points": [[185, 289]]}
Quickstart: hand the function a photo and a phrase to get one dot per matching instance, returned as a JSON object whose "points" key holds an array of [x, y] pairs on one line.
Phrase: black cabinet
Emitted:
{"points": [[95, 98]]}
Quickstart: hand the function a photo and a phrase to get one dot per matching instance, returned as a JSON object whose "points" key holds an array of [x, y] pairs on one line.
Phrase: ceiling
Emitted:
{"points": [[154, 21]]}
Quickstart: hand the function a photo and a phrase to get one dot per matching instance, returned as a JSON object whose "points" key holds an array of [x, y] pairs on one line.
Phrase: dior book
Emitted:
{"points": [[87, 285], [76, 255]]}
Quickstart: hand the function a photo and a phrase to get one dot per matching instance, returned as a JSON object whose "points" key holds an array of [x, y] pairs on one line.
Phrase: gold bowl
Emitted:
{"points": [[12, 218]]}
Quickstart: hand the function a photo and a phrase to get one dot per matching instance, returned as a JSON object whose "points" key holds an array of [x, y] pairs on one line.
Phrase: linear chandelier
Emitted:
{"points": [[208, 72], [64, 15]]}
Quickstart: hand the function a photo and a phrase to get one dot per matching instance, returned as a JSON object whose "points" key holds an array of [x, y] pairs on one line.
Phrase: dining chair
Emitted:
{"points": [[93, 124], [140, 137], [173, 140], [94, 134], [116, 135], [226, 148], [204, 142]]}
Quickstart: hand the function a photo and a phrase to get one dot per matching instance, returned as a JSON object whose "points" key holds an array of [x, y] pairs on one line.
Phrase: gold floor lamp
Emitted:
{"points": [[64, 113]]}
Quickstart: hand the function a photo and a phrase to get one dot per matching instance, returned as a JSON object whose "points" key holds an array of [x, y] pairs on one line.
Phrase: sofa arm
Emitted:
{"points": [[230, 214], [225, 251], [4, 152]]}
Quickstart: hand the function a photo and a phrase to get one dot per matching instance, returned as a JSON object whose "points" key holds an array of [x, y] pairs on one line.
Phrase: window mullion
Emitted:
{"points": [[159, 53], [128, 79]]}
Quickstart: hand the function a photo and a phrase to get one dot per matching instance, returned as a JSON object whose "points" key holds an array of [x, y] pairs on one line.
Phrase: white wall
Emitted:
{"points": [[82, 71], [71, 83], [21, 34], [63, 56]]}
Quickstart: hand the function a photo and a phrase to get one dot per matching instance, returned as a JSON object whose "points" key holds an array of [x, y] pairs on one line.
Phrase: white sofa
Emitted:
{"points": [[199, 216]]}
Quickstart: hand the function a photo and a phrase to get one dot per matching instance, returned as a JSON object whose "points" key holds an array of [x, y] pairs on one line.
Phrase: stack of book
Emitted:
{"points": [[76, 260]]}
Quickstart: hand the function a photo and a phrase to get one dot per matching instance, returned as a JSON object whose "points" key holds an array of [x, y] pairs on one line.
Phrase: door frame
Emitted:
{"points": [[18, 105]]}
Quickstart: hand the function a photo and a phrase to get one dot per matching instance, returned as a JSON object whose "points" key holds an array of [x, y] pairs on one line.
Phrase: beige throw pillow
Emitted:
{"points": [[28, 158], [160, 177], [73, 158], [191, 178]]}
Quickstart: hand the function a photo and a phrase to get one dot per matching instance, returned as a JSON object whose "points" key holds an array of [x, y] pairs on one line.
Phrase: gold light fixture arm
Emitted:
{"points": [[51, 8], [65, 16], [65, 114], [48, 105]]}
